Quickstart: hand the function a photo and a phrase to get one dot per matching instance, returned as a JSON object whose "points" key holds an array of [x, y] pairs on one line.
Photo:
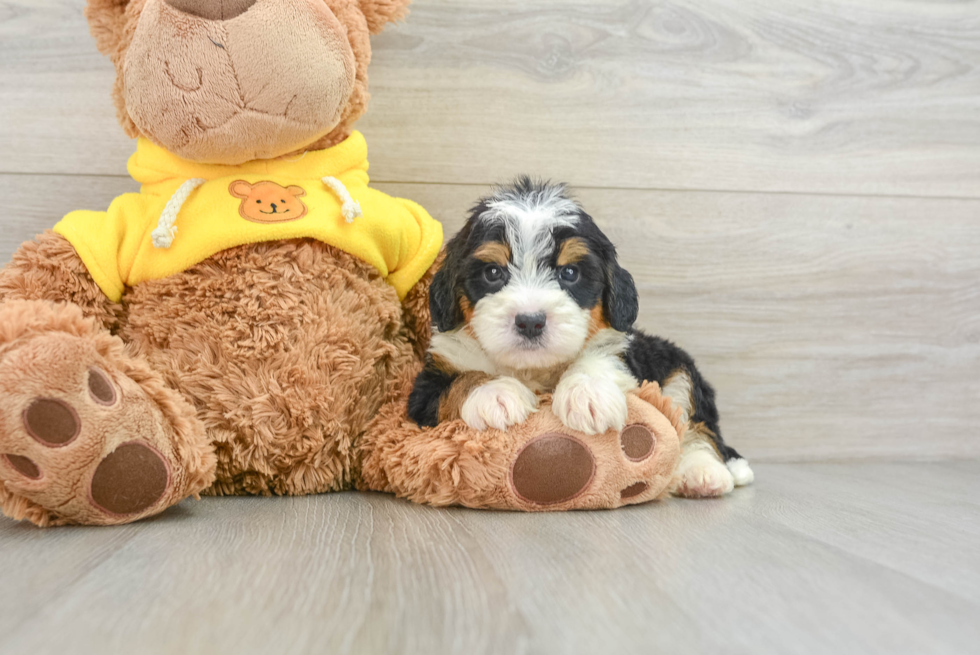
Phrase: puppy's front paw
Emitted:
{"points": [[589, 404], [498, 404]]}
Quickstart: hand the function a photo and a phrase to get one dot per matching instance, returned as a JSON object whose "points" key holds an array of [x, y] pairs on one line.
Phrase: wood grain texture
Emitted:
{"points": [[855, 558], [832, 327], [765, 95]]}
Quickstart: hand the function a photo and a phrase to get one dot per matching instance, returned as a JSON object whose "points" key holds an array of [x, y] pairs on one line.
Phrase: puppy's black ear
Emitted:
{"points": [[620, 302], [446, 313], [443, 301]]}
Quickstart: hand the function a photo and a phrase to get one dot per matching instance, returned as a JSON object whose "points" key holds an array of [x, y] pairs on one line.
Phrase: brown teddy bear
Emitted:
{"points": [[252, 320]]}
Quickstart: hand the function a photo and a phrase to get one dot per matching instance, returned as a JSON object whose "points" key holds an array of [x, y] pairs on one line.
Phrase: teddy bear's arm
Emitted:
{"points": [[418, 320], [48, 268]]}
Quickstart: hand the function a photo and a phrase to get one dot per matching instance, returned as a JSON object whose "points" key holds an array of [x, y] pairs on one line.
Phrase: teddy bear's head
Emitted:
{"points": [[229, 81]]}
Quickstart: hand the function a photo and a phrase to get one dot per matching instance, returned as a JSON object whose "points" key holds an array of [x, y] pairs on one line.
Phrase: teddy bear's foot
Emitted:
{"points": [[87, 434], [539, 465], [562, 469]]}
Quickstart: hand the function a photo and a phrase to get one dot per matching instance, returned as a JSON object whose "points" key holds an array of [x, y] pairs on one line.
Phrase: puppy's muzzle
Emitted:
{"points": [[530, 326]]}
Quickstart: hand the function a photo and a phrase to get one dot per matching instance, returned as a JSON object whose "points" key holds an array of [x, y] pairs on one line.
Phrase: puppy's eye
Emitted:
{"points": [[493, 273], [568, 274]]}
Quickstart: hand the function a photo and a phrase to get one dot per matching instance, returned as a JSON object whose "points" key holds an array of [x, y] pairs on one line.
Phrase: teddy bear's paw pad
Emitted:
{"points": [[634, 490], [638, 442], [24, 465], [100, 388], [130, 480], [52, 422], [551, 469]]}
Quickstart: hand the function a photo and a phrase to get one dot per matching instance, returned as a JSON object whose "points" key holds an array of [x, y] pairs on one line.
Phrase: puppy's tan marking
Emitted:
{"points": [[699, 433], [452, 400], [572, 251], [467, 309], [443, 364], [597, 321], [493, 252]]}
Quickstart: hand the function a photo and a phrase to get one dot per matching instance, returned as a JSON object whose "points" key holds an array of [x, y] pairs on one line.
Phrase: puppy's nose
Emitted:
{"points": [[213, 9], [530, 325]]}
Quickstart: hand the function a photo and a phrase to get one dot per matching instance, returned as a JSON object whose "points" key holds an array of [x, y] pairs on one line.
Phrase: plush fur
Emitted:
{"points": [[114, 23], [273, 368]]}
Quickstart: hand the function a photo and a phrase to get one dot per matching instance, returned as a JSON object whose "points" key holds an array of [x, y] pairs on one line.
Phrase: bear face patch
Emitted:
{"points": [[268, 202]]}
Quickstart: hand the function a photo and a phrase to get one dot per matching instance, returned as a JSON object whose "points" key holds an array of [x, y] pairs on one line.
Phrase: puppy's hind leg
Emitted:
{"points": [[702, 471]]}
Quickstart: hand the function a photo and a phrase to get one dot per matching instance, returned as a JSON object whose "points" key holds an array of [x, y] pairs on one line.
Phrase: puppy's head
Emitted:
{"points": [[531, 277]]}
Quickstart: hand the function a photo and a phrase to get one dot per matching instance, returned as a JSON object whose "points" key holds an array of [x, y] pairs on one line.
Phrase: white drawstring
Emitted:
{"points": [[166, 230], [350, 208]]}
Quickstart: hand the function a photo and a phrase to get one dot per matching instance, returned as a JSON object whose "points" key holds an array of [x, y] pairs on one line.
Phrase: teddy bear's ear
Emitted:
{"points": [[106, 22], [240, 189], [380, 12], [296, 191]]}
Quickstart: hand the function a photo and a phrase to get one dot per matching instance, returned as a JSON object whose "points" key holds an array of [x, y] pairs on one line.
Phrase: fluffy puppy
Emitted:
{"points": [[530, 298]]}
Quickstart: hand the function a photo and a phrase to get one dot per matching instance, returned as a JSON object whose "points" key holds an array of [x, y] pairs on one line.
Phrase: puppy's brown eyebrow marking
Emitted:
{"points": [[572, 251], [493, 252]]}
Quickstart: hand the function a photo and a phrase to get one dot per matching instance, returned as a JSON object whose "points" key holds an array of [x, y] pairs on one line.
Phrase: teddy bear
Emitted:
{"points": [[251, 321]]}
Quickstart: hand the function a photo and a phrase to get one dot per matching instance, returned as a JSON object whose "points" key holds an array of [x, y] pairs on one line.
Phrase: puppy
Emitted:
{"points": [[530, 298]]}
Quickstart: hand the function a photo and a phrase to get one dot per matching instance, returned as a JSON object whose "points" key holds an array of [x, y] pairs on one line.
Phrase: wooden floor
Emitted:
{"points": [[795, 186], [816, 558]]}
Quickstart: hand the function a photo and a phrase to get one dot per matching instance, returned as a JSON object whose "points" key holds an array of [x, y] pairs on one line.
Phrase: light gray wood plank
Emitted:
{"points": [[832, 327], [888, 513], [367, 573], [40, 567], [835, 97]]}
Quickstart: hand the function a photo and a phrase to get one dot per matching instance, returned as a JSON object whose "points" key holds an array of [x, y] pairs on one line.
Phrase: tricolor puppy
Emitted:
{"points": [[530, 298]]}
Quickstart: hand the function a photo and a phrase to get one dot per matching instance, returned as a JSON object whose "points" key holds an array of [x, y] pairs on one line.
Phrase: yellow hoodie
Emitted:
{"points": [[186, 212]]}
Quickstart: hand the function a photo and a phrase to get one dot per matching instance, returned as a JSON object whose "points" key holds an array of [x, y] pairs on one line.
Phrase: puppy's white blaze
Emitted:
{"points": [[741, 472], [701, 474], [591, 395], [565, 332], [528, 222], [498, 404]]}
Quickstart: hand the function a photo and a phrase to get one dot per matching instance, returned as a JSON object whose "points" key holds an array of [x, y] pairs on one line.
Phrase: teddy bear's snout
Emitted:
{"points": [[212, 9]]}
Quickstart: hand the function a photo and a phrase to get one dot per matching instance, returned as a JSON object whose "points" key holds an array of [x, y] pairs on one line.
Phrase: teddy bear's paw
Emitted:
{"points": [[83, 442], [564, 469], [701, 474]]}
